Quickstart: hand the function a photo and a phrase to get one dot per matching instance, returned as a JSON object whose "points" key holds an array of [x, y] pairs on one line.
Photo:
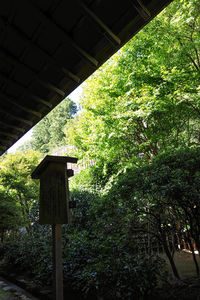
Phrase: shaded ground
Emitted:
{"points": [[186, 289], [184, 263]]}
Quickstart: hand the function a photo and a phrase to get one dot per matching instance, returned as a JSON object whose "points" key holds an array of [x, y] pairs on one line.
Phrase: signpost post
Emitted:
{"points": [[54, 207]]}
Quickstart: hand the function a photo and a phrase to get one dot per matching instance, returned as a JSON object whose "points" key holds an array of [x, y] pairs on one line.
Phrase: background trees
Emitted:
{"points": [[48, 133], [10, 214], [17, 190]]}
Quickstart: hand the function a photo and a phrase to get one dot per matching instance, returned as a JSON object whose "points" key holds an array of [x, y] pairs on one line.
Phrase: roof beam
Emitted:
{"points": [[49, 58], [51, 24], [13, 127], [8, 134], [108, 32], [66, 72], [6, 142], [30, 111], [4, 54], [25, 90], [4, 148], [16, 118], [38, 99], [141, 9], [51, 87]]}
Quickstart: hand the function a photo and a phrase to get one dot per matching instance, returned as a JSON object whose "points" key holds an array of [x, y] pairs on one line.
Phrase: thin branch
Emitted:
{"points": [[189, 56]]}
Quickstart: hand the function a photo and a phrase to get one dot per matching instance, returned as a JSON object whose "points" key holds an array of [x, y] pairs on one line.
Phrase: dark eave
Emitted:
{"points": [[48, 48]]}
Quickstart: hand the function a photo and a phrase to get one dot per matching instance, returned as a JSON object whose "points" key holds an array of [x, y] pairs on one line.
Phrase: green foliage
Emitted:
{"points": [[172, 178], [109, 266], [17, 190], [172, 182], [172, 175], [100, 256], [31, 254], [9, 211], [145, 99], [48, 133], [160, 199]]}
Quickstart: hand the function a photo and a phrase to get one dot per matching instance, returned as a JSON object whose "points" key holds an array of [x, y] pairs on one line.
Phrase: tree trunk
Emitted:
{"points": [[170, 257], [194, 256], [2, 235]]}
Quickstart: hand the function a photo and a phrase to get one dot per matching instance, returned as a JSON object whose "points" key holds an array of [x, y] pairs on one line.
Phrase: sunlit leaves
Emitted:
{"points": [[17, 190], [48, 133]]}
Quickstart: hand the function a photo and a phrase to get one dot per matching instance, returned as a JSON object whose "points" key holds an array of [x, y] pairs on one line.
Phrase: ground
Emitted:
{"points": [[184, 263], [186, 289]]}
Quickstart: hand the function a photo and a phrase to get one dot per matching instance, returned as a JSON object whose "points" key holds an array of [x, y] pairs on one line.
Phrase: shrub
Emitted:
{"points": [[29, 254]]}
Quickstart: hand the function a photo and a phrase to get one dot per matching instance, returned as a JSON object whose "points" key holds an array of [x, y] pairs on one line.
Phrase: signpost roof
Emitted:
{"points": [[51, 159]]}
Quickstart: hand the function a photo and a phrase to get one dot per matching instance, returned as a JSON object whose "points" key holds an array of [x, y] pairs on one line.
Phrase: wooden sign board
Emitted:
{"points": [[54, 191]]}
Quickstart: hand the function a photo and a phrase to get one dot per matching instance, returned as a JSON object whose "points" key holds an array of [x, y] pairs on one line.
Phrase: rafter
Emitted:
{"points": [[25, 90], [16, 118], [141, 9], [4, 54], [66, 38], [8, 134], [4, 148], [68, 73], [6, 142], [48, 57], [38, 99], [51, 87], [30, 111], [108, 32], [13, 127]]}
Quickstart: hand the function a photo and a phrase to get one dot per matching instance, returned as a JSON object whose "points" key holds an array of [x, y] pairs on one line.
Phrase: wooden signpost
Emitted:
{"points": [[54, 207]]}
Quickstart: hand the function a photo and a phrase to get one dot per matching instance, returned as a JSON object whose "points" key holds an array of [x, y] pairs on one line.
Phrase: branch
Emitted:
{"points": [[189, 56], [191, 105]]}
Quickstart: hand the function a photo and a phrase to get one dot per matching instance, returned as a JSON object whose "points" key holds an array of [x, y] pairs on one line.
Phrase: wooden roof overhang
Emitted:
{"points": [[49, 47]]}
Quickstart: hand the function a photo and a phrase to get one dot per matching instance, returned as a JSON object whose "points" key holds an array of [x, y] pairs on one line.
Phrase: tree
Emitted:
{"points": [[10, 213], [166, 195], [145, 99], [48, 133], [17, 188]]}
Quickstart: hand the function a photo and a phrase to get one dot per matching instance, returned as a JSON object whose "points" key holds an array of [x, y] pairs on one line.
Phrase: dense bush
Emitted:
{"points": [[31, 254], [104, 266], [100, 257], [110, 267]]}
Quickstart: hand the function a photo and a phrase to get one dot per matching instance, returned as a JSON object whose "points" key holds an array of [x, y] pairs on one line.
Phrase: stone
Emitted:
{"points": [[23, 297], [8, 288]]}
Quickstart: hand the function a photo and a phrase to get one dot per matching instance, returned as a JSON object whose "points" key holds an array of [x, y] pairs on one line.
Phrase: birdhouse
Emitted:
{"points": [[54, 191]]}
